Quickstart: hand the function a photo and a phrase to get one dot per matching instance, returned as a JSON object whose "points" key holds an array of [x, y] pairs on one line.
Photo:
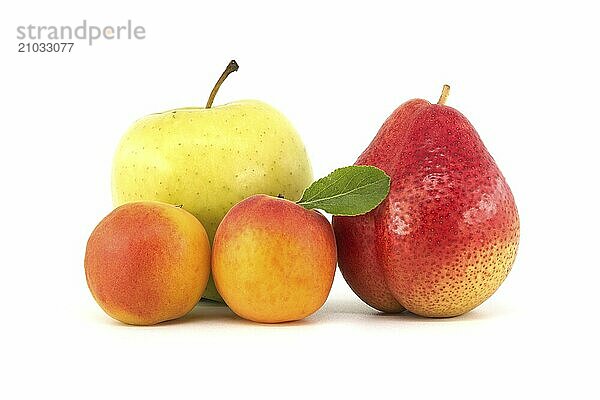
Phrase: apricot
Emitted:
{"points": [[273, 261], [147, 262]]}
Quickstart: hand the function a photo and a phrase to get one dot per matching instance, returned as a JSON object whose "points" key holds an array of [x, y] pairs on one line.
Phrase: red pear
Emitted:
{"points": [[446, 236]]}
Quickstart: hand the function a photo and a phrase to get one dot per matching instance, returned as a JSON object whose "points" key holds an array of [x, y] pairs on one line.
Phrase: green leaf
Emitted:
{"points": [[347, 191]]}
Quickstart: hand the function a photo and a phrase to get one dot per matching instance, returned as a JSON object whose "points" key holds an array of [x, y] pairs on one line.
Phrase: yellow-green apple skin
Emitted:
{"points": [[209, 159]]}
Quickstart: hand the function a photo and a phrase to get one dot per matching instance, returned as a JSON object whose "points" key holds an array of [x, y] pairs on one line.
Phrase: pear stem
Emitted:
{"points": [[444, 95], [231, 67]]}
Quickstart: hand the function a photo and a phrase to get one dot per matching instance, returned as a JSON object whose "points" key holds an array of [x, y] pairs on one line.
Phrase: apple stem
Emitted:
{"points": [[231, 67], [444, 95]]}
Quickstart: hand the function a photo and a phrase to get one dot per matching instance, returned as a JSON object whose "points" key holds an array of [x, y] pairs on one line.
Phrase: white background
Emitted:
{"points": [[525, 74]]}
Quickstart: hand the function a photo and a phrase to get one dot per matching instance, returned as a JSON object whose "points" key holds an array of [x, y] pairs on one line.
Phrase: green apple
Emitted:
{"points": [[209, 159]]}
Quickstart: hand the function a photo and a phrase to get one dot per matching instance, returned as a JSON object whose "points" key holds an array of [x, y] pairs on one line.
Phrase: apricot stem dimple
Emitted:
{"points": [[444, 95], [231, 67]]}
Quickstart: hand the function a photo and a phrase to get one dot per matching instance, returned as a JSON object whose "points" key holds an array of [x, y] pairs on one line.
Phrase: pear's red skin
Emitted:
{"points": [[446, 236]]}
